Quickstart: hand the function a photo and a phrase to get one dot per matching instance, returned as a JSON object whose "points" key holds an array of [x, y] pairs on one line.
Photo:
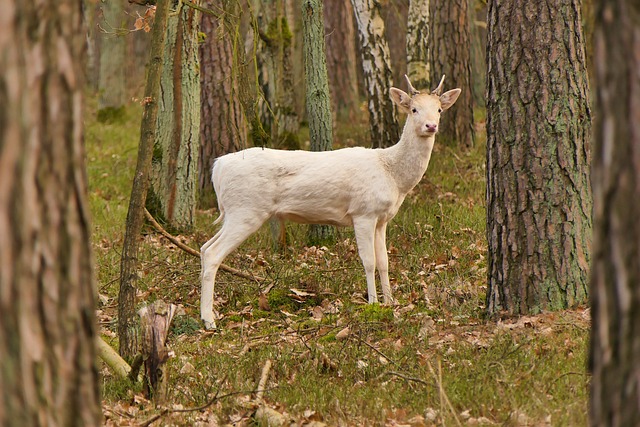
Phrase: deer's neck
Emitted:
{"points": [[407, 161]]}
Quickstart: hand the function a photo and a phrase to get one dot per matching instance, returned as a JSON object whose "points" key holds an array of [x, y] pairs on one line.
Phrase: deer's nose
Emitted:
{"points": [[431, 127]]}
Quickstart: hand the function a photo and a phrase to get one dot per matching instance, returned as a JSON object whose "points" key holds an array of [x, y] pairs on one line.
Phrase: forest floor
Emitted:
{"points": [[432, 359]]}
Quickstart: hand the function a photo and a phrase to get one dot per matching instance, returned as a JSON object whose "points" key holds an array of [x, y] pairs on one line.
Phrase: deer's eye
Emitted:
{"points": [[413, 110], [439, 110]]}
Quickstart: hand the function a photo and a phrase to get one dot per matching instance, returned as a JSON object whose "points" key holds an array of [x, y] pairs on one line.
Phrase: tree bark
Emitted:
{"points": [[48, 366], [223, 127], [383, 123], [127, 321], [318, 99], [276, 75], [112, 80], [341, 57], [451, 56], [174, 180], [615, 275], [538, 141], [418, 55]]}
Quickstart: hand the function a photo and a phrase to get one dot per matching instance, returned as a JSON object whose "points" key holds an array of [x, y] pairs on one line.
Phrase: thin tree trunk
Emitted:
{"points": [[418, 55], [173, 192], [112, 61], [538, 139], [451, 56], [48, 371], [318, 99], [127, 320], [615, 274], [383, 123]]}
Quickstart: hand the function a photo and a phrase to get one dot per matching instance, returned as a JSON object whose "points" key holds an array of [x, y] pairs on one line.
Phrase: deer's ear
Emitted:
{"points": [[449, 98], [401, 99]]}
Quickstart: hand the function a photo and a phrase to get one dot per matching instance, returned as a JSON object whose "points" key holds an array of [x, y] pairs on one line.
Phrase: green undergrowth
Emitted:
{"points": [[431, 359]]}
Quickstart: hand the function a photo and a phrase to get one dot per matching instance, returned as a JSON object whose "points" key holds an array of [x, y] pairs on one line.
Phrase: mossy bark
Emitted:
{"points": [[318, 98], [174, 179], [538, 142]]}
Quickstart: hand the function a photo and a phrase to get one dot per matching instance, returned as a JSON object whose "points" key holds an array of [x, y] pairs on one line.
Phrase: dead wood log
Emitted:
{"points": [[155, 320]]}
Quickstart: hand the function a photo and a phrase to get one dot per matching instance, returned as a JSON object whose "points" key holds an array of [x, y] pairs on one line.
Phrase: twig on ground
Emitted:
{"points": [[263, 379], [405, 377], [393, 362], [196, 253]]}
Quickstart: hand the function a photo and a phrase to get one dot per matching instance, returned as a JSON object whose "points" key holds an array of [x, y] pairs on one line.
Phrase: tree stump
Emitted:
{"points": [[155, 320]]}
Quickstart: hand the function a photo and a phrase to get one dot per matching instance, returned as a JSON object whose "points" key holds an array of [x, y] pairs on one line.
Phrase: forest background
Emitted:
{"points": [[297, 343]]}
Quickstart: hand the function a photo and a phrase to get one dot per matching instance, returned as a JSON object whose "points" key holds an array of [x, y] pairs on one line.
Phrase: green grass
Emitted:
{"points": [[433, 353]]}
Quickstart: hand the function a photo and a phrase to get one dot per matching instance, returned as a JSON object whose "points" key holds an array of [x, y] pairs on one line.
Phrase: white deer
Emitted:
{"points": [[357, 187]]}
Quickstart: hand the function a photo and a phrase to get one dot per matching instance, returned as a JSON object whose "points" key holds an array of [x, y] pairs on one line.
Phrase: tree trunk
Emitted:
{"points": [[127, 321], [451, 56], [174, 179], [376, 66], [276, 75], [223, 127], [615, 275], [318, 99], [418, 56], [341, 57], [48, 368], [538, 131], [112, 61]]}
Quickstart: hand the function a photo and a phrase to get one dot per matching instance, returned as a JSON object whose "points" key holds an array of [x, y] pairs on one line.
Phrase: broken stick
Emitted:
{"points": [[196, 253]]}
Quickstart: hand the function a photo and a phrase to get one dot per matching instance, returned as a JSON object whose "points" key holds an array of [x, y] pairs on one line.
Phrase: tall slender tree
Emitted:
{"points": [[318, 98], [451, 55], [383, 123], [418, 55], [112, 81], [128, 331], [174, 179], [48, 371], [538, 140], [615, 275]]}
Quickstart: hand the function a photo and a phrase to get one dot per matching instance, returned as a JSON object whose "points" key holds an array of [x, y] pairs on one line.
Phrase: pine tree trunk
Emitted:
{"points": [[276, 76], [173, 192], [376, 66], [538, 139], [615, 275], [223, 127], [48, 371], [112, 61], [127, 319], [341, 57], [318, 99], [451, 56], [418, 55]]}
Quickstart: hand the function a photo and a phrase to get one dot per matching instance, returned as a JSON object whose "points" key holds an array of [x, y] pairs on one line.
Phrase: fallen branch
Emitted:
{"points": [[263, 379], [196, 253], [113, 360]]}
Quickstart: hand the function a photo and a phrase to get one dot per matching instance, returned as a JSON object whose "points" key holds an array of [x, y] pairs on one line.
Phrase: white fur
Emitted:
{"points": [[357, 187]]}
